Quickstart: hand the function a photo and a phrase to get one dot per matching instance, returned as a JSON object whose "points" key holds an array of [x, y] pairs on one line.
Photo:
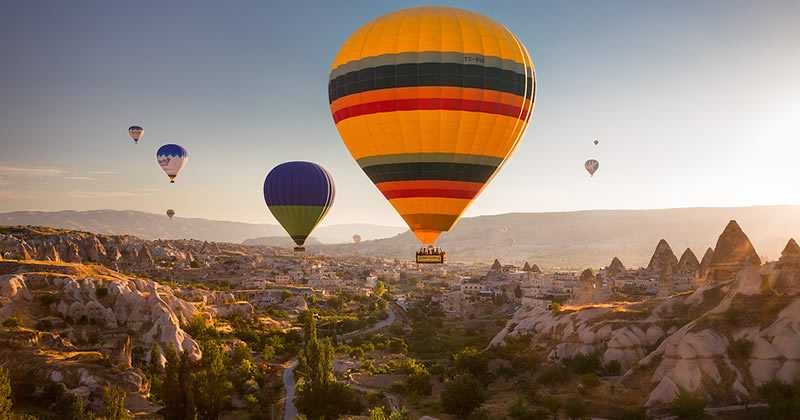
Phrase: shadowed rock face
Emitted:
{"points": [[616, 267], [688, 262], [705, 263], [732, 252], [663, 257], [787, 280]]}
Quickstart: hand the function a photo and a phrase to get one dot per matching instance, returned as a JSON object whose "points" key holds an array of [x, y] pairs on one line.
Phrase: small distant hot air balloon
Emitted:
{"points": [[170, 213], [591, 166], [172, 158], [136, 133], [356, 238], [596, 142], [430, 101], [299, 195]]}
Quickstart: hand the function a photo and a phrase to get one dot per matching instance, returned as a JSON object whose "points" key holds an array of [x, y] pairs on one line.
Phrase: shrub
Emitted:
{"points": [[688, 406], [44, 325], [462, 395], [12, 322], [740, 349], [5, 393], [583, 363], [114, 402], [590, 380], [553, 375], [783, 399], [612, 368], [555, 307], [48, 299], [576, 408]]}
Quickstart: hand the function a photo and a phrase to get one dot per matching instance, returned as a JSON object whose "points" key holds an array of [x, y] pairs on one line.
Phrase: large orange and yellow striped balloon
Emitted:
{"points": [[431, 101]]}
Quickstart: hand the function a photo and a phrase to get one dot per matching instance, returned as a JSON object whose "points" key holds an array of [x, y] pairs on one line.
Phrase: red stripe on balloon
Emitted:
{"points": [[430, 193], [416, 104]]}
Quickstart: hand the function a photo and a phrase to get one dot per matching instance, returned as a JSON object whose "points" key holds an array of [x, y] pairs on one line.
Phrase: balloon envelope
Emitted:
{"points": [[357, 238], [596, 142], [299, 195], [136, 133], [170, 213], [430, 101], [172, 158], [591, 166]]}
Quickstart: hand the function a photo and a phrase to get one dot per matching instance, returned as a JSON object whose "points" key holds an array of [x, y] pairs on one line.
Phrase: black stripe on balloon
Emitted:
{"points": [[439, 171], [430, 74]]}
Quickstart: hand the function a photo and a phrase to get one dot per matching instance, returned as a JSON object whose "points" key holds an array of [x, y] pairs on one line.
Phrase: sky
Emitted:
{"points": [[694, 104]]}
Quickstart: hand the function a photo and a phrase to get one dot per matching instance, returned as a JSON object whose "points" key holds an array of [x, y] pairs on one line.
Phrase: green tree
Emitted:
{"points": [[552, 404], [5, 394], [379, 413], [71, 408], [783, 399], [462, 395], [576, 409], [380, 289], [688, 406], [114, 401], [471, 360], [211, 386], [171, 392], [320, 396], [12, 322]]}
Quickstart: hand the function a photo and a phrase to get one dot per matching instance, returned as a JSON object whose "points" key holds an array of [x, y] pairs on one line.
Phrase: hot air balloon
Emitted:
{"points": [[172, 158], [299, 195], [430, 101], [591, 166], [136, 133], [596, 142], [170, 213], [356, 238]]}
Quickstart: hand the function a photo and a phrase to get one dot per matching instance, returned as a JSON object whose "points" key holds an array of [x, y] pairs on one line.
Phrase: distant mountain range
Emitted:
{"points": [[592, 238], [564, 239], [157, 226]]}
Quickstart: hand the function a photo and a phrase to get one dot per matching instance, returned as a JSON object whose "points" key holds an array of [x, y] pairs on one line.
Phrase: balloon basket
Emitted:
{"points": [[431, 255], [299, 249]]}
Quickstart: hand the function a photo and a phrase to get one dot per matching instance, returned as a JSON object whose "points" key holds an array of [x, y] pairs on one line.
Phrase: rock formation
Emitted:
{"points": [[663, 257], [686, 272], [786, 279], [616, 268], [732, 252], [685, 341]]}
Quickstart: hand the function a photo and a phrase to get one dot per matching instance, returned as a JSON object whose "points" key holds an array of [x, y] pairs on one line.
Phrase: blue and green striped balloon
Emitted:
{"points": [[299, 195]]}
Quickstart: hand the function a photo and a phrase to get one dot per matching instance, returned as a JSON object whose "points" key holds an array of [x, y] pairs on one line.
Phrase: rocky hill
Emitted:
{"points": [[158, 226], [722, 340], [590, 238]]}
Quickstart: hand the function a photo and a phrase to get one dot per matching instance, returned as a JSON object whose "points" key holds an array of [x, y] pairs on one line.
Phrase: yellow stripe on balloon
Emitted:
{"points": [[430, 29], [430, 205], [430, 131]]}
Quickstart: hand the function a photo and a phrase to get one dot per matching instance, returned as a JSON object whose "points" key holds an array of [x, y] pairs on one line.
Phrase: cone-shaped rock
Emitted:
{"points": [[732, 252], [663, 257], [791, 250], [688, 262], [535, 269], [616, 267], [496, 266], [705, 263], [527, 267], [788, 269]]}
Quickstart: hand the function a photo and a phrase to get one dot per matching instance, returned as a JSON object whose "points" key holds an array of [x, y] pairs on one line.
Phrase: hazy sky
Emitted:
{"points": [[695, 103]]}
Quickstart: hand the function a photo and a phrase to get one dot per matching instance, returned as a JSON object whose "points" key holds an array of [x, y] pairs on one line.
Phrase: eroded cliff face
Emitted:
{"points": [[80, 295], [721, 340], [123, 252]]}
